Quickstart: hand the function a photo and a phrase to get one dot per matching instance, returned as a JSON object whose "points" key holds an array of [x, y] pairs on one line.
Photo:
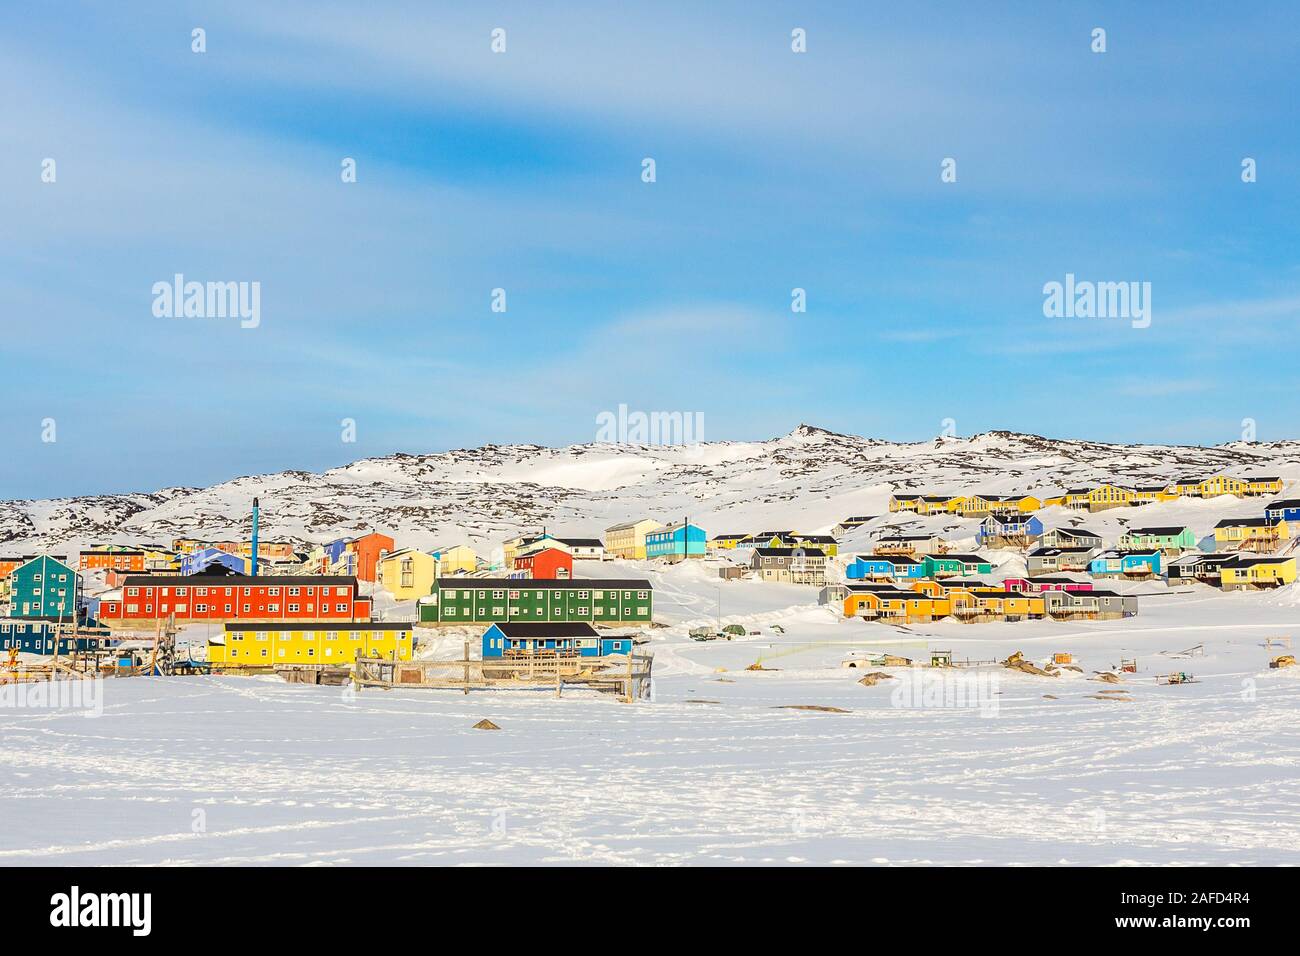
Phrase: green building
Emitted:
{"points": [[946, 565], [495, 600], [44, 587], [1168, 539]]}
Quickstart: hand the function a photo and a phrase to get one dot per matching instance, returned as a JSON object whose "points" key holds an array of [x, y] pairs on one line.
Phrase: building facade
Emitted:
{"points": [[496, 600], [247, 599], [309, 643]]}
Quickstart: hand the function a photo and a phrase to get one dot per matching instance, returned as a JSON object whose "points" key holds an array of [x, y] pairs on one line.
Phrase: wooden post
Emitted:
{"points": [[467, 668], [629, 675]]}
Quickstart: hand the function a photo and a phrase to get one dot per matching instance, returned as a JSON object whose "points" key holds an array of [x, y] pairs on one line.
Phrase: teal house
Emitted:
{"points": [[950, 565], [676, 542], [44, 587]]}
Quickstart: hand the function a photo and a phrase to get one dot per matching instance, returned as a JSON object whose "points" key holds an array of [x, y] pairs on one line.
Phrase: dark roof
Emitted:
{"points": [[963, 558], [1172, 529], [323, 626], [1048, 552], [582, 542], [819, 538], [790, 552], [1243, 561], [860, 519], [1076, 532], [554, 629], [1280, 503], [1245, 523], [198, 580], [583, 584]]}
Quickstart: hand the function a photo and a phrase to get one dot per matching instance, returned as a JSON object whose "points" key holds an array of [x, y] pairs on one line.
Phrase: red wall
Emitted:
{"points": [[315, 602], [545, 564]]}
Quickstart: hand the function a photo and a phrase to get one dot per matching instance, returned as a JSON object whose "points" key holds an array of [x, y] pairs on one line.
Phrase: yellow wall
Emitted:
{"points": [[1282, 571], [245, 648], [629, 543], [460, 558], [419, 579]]}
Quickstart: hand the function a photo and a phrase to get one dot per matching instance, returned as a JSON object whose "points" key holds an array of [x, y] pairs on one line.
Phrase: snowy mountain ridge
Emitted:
{"points": [[806, 480]]}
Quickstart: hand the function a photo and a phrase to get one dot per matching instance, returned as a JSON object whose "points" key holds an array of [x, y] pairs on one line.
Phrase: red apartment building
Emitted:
{"points": [[550, 564], [220, 598]]}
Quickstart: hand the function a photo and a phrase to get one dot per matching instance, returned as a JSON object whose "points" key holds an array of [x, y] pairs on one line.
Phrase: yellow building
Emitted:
{"points": [[459, 559], [1222, 485], [904, 502], [1258, 572], [721, 542], [408, 574], [627, 540], [1251, 534], [1108, 496], [1263, 486], [311, 642]]}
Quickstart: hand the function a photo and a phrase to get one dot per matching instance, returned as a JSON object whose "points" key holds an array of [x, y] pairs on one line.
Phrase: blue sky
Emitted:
{"points": [[522, 171]]}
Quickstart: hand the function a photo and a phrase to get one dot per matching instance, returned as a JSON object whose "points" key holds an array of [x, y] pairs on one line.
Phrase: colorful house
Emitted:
{"points": [[1261, 571], [458, 559], [1130, 564], [875, 567], [627, 540], [822, 542], [1270, 485], [676, 542], [1169, 539], [575, 639], [1051, 560], [44, 587], [1287, 509], [719, 542], [408, 574], [1250, 534], [851, 523], [790, 565], [1089, 605], [910, 544], [1195, 566], [38, 636], [155, 597], [365, 552], [1039, 585], [496, 600], [947, 565], [196, 562], [894, 606], [113, 557], [307, 643], [548, 564], [1012, 529], [1070, 538]]}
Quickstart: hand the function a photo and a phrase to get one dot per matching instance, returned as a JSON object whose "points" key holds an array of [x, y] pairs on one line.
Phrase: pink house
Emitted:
{"points": [[1039, 585]]}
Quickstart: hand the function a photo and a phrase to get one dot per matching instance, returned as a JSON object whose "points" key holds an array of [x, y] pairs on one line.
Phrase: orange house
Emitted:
{"points": [[898, 607], [369, 548], [547, 564], [114, 560]]}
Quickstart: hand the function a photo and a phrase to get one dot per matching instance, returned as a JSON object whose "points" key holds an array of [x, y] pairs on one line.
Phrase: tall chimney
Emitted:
{"points": [[253, 568]]}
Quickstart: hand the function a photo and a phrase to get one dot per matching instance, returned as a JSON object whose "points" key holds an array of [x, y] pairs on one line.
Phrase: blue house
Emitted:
{"points": [[44, 587], [1125, 564], [200, 560], [552, 639], [37, 637], [676, 542], [1284, 510], [997, 528], [870, 566]]}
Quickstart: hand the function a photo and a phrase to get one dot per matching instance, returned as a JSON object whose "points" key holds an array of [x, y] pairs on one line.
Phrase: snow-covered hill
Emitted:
{"points": [[806, 480]]}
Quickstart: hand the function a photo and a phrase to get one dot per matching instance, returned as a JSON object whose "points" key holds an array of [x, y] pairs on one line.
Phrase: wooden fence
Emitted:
{"points": [[628, 676]]}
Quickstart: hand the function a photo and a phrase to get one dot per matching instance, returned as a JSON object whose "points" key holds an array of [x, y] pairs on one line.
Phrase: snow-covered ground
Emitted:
{"points": [[716, 769]]}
